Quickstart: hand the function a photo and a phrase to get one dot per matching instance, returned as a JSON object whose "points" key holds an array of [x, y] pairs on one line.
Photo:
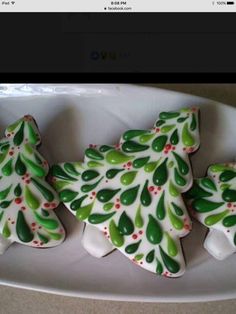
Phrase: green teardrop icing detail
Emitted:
{"points": [[76, 204], [28, 148], [150, 256], [219, 168], [172, 265], [227, 175], [154, 232], [47, 194], [5, 204], [149, 167], [14, 125], [160, 210], [160, 175], [108, 206], [229, 221], [4, 193], [174, 139], [170, 164], [145, 197], [229, 195], [116, 157], [138, 257], [159, 143], [177, 209], [129, 196], [94, 164], [167, 128], [105, 195], [104, 148], [176, 222], [224, 186], [44, 212], [146, 137], [128, 135], [111, 173], [173, 190], [7, 169], [97, 218], [31, 200], [179, 179], [32, 135], [1, 215], [89, 175], [47, 223], [93, 154], [22, 229], [193, 124], [18, 190], [235, 239], [55, 236], [43, 238], [20, 167], [132, 248], [209, 184], [34, 168], [213, 219], [171, 245], [187, 138], [4, 147], [58, 185], [159, 268], [70, 168], [159, 123], [3, 156], [128, 177], [204, 206], [168, 115], [116, 237], [197, 192], [140, 162], [133, 147], [182, 119], [138, 220], [67, 195], [6, 232], [82, 213], [125, 224], [182, 165], [89, 187], [19, 136]]}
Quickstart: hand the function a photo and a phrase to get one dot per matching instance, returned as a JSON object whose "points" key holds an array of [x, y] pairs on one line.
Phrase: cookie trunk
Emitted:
{"points": [[95, 243], [218, 245], [4, 244]]}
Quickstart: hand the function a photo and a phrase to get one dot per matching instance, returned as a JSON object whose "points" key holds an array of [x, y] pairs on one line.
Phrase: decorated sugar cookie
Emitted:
{"points": [[132, 191], [26, 199], [212, 200]]}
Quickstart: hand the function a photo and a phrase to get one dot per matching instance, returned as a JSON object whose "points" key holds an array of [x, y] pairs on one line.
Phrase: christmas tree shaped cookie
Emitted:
{"points": [[26, 199], [212, 201], [132, 191]]}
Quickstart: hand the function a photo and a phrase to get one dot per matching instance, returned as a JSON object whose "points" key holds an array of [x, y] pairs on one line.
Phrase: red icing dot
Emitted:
{"points": [[159, 188], [229, 205], [157, 130], [105, 232], [23, 208], [33, 224], [228, 230], [46, 205], [93, 193], [106, 181], [117, 206], [105, 228], [13, 222], [168, 146], [134, 236], [11, 153], [9, 218], [40, 227], [151, 188], [129, 164], [155, 192], [26, 175], [8, 134], [35, 242], [18, 200], [54, 205], [117, 199], [27, 181], [165, 151], [184, 148], [141, 263], [173, 147], [140, 232], [91, 197]]}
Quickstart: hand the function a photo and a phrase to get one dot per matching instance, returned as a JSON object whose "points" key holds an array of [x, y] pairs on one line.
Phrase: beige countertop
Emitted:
{"points": [[13, 300]]}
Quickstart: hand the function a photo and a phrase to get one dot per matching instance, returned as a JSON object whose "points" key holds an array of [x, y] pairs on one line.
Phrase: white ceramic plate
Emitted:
{"points": [[70, 118]]}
